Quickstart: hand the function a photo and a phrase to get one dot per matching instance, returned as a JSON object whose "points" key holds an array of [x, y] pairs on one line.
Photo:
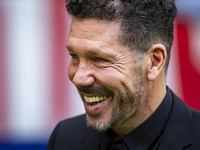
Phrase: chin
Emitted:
{"points": [[95, 123]]}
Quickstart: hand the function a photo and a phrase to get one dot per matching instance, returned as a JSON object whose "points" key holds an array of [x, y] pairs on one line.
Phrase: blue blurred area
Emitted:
{"points": [[22, 146]]}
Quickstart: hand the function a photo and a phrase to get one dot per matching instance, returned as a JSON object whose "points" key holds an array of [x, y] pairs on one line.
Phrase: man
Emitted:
{"points": [[119, 57]]}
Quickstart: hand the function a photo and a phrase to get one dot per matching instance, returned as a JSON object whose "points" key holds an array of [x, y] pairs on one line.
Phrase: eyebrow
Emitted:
{"points": [[91, 52], [70, 49]]}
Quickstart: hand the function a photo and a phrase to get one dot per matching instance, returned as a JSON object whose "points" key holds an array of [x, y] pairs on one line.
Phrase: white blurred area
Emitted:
{"points": [[28, 66], [28, 52]]}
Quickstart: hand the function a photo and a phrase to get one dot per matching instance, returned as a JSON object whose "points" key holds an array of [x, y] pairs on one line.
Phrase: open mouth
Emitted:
{"points": [[93, 100]]}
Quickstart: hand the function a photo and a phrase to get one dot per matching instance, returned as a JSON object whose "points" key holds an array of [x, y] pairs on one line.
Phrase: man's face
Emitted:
{"points": [[107, 75]]}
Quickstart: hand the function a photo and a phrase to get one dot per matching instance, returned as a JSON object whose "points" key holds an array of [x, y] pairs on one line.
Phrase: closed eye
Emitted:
{"points": [[74, 56], [98, 59]]}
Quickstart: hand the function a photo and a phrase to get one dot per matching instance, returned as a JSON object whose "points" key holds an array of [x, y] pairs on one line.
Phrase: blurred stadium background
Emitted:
{"points": [[35, 92]]}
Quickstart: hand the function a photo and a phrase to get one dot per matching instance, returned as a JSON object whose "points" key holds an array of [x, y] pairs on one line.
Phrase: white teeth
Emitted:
{"points": [[94, 98]]}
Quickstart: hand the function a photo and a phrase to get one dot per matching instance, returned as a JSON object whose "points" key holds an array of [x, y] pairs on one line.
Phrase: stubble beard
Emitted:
{"points": [[126, 104]]}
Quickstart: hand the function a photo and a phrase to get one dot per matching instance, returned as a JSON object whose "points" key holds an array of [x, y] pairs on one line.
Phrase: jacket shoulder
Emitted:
{"points": [[71, 133], [183, 125], [195, 122], [69, 125]]}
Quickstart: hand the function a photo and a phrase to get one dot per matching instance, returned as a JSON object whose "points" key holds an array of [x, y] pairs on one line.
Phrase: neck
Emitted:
{"points": [[155, 94]]}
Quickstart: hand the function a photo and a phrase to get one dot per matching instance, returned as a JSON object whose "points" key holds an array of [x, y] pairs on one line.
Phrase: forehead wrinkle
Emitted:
{"points": [[90, 28], [84, 34], [99, 48]]}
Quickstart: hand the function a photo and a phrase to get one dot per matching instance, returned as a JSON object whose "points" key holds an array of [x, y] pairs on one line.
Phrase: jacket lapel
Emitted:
{"points": [[87, 146], [177, 133], [90, 140]]}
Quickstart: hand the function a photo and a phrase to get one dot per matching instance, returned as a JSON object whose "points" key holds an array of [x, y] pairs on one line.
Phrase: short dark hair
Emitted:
{"points": [[143, 22]]}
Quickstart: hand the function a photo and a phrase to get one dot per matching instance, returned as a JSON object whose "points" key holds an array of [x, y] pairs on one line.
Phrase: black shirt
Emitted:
{"points": [[147, 135]]}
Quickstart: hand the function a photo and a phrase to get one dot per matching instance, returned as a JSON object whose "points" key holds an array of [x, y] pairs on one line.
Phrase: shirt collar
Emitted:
{"points": [[145, 134]]}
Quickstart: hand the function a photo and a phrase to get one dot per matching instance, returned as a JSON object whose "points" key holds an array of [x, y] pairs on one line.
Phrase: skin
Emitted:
{"points": [[134, 84]]}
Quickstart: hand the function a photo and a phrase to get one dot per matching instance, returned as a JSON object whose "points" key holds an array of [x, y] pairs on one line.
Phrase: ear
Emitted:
{"points": [[156, 61]]}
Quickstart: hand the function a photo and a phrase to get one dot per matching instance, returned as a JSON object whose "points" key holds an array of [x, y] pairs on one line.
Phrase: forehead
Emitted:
{"points": [[93, 29], [99, 36]]}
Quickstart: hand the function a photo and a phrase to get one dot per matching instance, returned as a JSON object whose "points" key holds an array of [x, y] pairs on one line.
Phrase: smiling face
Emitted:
{"points": [[107, 75]]}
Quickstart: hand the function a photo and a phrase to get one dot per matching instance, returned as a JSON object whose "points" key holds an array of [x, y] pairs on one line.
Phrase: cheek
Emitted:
{"points": [[111, 79], [71, 72], [123, 83]]}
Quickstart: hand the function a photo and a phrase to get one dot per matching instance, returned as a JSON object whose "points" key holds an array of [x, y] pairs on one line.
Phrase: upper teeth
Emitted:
{"points": [[94, 98]]}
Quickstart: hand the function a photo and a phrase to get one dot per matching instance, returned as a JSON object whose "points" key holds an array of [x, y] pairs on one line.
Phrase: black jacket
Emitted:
{"points": [[182, 131]]}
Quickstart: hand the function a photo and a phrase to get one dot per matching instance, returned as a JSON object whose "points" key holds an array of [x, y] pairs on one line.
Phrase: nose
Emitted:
{"points": [[83, 76]]}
